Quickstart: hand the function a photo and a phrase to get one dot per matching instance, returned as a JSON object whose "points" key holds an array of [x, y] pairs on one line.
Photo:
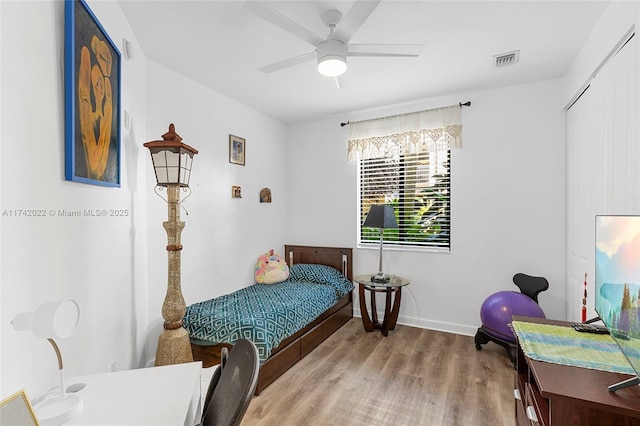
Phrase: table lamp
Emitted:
{"points": [[382, 217], [53, 320]]}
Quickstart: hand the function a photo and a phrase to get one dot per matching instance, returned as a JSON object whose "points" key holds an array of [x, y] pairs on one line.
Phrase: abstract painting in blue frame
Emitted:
{"points": [[92, 99]]}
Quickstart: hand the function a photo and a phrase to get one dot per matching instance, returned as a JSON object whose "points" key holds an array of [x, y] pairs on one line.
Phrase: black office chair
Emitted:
{"points": [[232, 385]]}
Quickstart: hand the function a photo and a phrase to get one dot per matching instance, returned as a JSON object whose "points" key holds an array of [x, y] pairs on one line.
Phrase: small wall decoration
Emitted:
{"points": [[17, 410], [265, 195], [92, 99], [237, 150], [236, 192]]}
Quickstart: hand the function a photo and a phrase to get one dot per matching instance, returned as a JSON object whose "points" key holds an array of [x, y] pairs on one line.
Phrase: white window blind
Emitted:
{"points": [[405, 161], [418, 187]]}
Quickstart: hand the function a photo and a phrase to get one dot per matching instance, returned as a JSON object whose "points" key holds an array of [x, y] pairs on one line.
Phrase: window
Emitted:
{"points": [[405, 161], [417, 185]]}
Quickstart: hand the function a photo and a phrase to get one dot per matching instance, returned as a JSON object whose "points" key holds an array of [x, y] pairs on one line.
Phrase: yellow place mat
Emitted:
{"points": [[564, 345]]}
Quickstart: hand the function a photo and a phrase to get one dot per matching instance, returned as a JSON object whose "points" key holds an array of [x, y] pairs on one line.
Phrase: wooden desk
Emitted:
{"points": [[565, 395], [168, 395]]}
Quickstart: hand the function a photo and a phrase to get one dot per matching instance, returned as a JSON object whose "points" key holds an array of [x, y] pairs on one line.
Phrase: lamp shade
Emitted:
{"points": [[171, 158], [51, 320], [381, 216]]}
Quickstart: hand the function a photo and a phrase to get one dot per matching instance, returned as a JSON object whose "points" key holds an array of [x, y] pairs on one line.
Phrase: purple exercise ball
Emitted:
{"points": [[497, 309]]}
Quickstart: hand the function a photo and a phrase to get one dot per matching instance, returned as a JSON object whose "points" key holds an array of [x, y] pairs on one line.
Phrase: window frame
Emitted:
{"points": [[389, 235]]}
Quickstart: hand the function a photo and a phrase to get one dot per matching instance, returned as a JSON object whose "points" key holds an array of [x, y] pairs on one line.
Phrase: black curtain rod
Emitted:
{"points": [[460, 104]]}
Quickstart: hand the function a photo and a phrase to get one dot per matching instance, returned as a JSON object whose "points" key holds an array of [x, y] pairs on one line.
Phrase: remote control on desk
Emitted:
{"points": [[590, 328]]}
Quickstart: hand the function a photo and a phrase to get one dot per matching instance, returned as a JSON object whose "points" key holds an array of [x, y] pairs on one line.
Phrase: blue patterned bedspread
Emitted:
{"points": [[267, 314]]}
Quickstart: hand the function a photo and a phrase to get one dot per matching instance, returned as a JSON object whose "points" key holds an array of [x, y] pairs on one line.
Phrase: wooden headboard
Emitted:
{"points": [[337, 257]]}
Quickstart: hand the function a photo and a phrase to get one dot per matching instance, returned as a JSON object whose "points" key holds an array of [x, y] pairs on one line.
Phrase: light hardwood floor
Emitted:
{"points": [[412, 377]]}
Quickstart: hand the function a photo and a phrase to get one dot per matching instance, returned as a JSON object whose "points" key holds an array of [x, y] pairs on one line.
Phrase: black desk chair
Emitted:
{"points": [[232, 385]]}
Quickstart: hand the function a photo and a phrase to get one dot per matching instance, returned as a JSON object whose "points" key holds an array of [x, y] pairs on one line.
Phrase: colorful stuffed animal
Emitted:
{"points": [[271, 268]]}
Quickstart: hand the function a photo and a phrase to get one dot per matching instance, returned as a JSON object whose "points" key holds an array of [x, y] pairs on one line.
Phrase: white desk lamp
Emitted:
{"points": [[59, 320]]}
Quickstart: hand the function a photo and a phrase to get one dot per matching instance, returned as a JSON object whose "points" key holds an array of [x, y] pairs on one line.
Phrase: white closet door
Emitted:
{"points": [[622, 186], [585, 176], [603, 162]]}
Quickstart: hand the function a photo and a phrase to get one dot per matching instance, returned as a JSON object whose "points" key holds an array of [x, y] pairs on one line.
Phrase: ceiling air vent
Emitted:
{"points": [[506, 59]]}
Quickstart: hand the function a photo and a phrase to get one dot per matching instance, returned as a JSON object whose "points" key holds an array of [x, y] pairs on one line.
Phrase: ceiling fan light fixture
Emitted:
{"points": [[332, 58], [332, 67]]}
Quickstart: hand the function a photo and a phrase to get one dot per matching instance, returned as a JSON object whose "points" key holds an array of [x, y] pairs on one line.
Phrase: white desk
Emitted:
{"points": [[168, 395]]}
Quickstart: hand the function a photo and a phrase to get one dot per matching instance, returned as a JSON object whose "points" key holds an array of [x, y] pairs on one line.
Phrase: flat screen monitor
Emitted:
{"points": [[617, 289]]}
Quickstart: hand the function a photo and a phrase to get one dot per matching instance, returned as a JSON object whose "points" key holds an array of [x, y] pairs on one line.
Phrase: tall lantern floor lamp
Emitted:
{"points": [[172, 162], [382, 217]]}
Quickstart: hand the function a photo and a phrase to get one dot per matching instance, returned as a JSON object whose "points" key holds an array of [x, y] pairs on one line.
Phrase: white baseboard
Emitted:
{"points": [[448, 327]]}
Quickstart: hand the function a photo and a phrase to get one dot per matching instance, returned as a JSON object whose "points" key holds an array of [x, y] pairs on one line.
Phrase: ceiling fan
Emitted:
{"points": [[331, 52]]}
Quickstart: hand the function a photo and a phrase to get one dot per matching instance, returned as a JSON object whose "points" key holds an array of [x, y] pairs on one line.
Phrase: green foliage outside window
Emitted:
{"points": [[418, 187]]}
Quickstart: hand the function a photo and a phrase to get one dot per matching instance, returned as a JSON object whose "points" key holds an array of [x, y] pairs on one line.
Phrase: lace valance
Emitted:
{"points": [[406, 133]]}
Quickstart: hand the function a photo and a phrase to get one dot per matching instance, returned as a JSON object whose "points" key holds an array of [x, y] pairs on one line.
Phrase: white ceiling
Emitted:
{"points": [[221, 44]]}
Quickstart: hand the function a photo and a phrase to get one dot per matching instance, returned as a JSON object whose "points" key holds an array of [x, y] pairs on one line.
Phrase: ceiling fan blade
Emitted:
{"points": [[277, 66], [278, 19], [354, 19], [385, 50], [341, 82]]}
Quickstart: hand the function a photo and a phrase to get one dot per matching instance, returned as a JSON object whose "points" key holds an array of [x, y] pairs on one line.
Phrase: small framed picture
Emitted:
{"points": [[237, 150], [17, 410]]}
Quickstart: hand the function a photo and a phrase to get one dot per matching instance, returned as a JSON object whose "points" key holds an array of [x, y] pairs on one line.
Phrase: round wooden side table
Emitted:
{"points": [[392, 289]]}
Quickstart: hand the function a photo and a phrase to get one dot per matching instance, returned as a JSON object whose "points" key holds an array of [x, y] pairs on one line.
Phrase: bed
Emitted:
{"points": [[281, 348]]}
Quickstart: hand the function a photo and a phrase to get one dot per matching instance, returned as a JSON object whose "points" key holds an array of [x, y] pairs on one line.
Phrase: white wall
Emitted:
{"points": [[116, 267], [223, 236], [1, 237], [508, 204], [99, 261]]}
